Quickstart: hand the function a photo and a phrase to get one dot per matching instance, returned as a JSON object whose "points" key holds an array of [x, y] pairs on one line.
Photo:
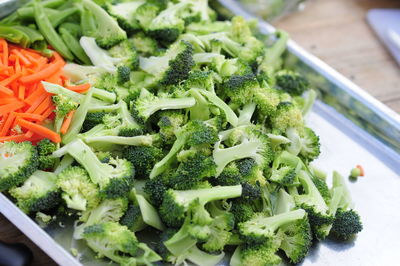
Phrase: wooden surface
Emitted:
{"points": [[337, 32]]}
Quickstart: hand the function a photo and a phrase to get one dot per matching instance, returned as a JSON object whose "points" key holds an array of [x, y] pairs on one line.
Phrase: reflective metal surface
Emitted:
{"points": [[345, 143]]}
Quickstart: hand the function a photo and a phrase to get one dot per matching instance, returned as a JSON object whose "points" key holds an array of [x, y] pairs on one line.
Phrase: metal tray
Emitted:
{"points": [[355, 129]]}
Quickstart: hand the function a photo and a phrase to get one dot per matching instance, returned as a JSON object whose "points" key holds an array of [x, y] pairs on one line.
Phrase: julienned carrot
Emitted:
{"points": [[40, 130], [80, 88], [4, 51], [6, 90], [43, 105], [34, 117], [7, 124], [48, 112], [10, 79], [44, 73], [11, 107], [22, 57], [16, 138], [67, 122], [21, 92], [36, 103]]}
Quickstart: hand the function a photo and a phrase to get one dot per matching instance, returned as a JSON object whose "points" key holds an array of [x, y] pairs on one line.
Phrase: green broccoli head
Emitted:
{"points": [[240, 88], [285, 168], [145, 45], [92, 120], [124, 12], [346, 225], [142, 158], [169, 123], [78, 191], [176, 203], [45, 148], [220, 232], [172, 67], [287, 115], [133, 218], [126, 53], [257, 255], [155, 189], [107, 31], [18, 161], [291, 82], [38, 193]]}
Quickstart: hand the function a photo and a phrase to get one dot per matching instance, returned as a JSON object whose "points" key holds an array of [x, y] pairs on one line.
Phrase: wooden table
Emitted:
{"points": [[335, 31]]}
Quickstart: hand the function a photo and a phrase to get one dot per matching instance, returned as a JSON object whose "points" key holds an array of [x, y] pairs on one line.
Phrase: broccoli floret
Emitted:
{"points": [[172, 67], [143, 158], [92, 120], [38, 193], [169, 123], [304, 143], [117, 243], [145, 45], [242, 210], [148, 11], [313, 202], [347, 224], [291, 82], [127, 54], [192, 171], [149, 104], [133, 218], [272, 55], [77, 190], [155, 189], [64, 105], [107, 31], [287, 115], [194, 134], [285, 169], [256, 255], [323, 189], [220, 233], [176, 203], [45, 148], [114, 178], [253, 145], [17, 162], [261, 228], [124, 12]]}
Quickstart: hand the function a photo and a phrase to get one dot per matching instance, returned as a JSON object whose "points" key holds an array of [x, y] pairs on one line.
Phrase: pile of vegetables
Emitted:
{"points": [[169, 121]]}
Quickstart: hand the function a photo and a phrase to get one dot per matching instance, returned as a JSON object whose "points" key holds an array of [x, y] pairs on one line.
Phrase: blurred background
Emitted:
{"points": [[339, 33]]}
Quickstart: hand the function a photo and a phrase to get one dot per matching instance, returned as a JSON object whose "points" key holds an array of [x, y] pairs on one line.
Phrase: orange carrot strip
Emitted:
{"points": [[7, 124], [23, 59], [29, 134], [80, 88], [6, 90], [43, 105], [44, 73], [67, 122], [39, 91], [40, 130], [40, 63], [34, 117], [17, 66], [36, 103], [48, 112], [11, 107], [5, 51], [55, 78], [3, 121], [21, 92], [10, 79], [7, 100], [16, 138]]}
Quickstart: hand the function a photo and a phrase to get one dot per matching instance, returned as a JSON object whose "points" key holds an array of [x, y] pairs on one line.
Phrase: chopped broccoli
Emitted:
{"points": [[145, 45], [169, 123], [176, 203], [124, 12], [291, 82], [17, 162], [142, 158], [92, 120], [64, 105], [115, 178], [106, 31], [77, 190], [45, 148], [133, 218], [38, 193], [172, 67]]}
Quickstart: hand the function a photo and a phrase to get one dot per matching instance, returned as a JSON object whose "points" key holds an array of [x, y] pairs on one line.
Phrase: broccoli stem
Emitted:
{"points": [[169, 104], [66, 161], [230, 114], [246, 113], [222, 157], [162, 165], [131, 141], [78, 118], [201, 109], [104, 108], [210, 194], [200, 257], [104, 95], [149, 213]]}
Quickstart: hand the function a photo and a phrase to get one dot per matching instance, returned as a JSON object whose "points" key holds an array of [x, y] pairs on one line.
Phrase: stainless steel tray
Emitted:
{"points": [[355, 129]]}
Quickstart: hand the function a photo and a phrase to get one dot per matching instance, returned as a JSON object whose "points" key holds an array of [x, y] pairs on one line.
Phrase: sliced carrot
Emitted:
{"points": [[10, 79], [67, 122], [22, 57], [38, 91], [6, 100], [11, 107], [48, 112], [44, 73], [34, 117], [29, 134], [40, 130], [6, 90], [16, 138], [5, 51], [43, 105], [21, 92], [7, 124], [361, 170], [80, 88], [36, 103]]}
